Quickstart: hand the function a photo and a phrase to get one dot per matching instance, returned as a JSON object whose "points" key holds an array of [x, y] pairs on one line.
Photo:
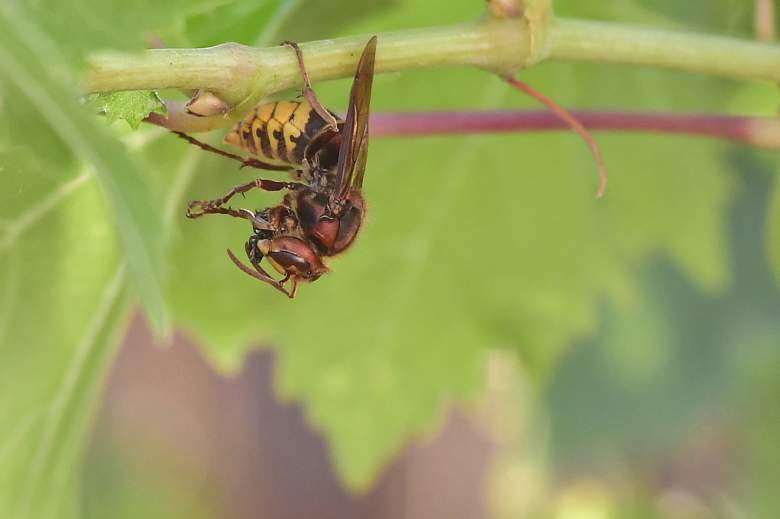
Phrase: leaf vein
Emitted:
{"points": [[37, 212]]}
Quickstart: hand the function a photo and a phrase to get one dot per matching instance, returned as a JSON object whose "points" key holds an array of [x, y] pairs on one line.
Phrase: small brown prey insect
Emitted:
{"points": [[322, 209]]}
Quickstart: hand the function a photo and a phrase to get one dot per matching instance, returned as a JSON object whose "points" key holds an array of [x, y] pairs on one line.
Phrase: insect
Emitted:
{"points": [[323, 207]]}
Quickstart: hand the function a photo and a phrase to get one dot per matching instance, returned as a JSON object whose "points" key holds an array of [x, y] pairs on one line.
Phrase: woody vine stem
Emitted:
{"points": [[243, 75]]}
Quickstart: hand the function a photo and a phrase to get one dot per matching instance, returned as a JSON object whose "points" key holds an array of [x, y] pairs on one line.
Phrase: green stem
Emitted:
{"points": [[576, 40], [238, 73], [242, 75]]}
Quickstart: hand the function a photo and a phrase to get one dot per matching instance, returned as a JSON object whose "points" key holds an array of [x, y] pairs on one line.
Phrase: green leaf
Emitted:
{"points": [[762, 462], [773, 229], [23, 56], [132, 107], [294, 20], [671, 363], [715, 16], [470, 244], [238, 22], [81, 26], [78, 226], [718, 16], [62, 304]]}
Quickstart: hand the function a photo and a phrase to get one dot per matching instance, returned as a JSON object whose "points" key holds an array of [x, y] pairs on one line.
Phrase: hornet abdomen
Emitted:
{"points": [[279, 132]]}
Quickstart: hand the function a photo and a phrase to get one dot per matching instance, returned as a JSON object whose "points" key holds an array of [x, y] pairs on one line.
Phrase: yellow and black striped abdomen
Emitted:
{"points": [[279, 132]]}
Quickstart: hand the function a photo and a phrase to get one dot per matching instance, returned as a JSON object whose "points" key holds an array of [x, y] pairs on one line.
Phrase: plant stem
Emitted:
{"points": [[237, 72], [762, 132], [243, 75], [577, 40]]}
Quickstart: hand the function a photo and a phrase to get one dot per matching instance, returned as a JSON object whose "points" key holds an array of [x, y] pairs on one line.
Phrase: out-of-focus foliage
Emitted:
{"points": [[41, 109], [71, 194], [677, 372], [470, 244], [773, 229], [82, 26]]}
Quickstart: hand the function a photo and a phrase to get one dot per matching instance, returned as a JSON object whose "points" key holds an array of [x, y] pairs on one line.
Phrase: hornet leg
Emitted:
{"points": [[308, 92], [251, 162], [198, 208]]}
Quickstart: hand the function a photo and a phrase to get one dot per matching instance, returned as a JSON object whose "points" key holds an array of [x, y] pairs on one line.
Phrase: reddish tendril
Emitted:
{"points": [[573, 123]]}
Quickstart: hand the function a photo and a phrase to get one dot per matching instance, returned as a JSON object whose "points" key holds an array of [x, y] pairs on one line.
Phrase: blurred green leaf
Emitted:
{"points": [[62, 306], [762, 414], [238, 22], [129, 483], [132, 107], [674, 367], [773, 229], [318, 19], [715, 16], [71, 194], [293, 20], [81, 26], [22, 60], [470, 244]]}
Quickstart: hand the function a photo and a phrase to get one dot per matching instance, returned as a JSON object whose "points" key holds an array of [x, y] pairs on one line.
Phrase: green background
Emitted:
{"points": [[632, 319]]}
